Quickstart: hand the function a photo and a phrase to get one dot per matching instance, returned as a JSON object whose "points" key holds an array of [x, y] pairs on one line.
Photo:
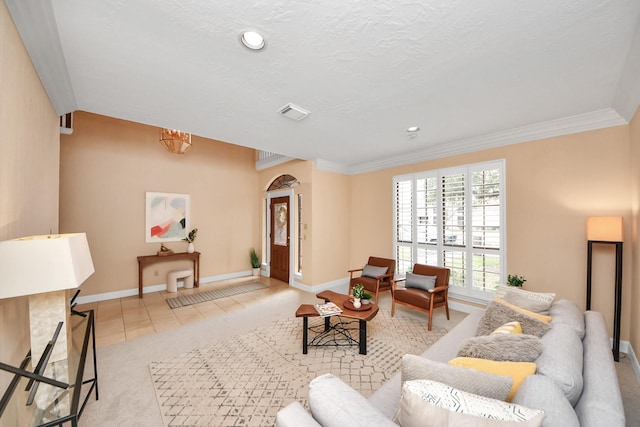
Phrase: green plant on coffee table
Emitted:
{"points": [[255, 259], [515, 280], [366, 295], [358, 291]]}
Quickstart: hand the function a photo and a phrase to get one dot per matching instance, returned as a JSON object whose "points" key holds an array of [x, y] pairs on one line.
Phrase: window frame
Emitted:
{"points": [[441, 247]]}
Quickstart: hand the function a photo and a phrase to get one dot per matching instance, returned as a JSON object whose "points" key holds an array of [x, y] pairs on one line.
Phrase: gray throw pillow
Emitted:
{"points": [[420, 282], [373, 271], [503, 347], [498, 314], [465, 379]]}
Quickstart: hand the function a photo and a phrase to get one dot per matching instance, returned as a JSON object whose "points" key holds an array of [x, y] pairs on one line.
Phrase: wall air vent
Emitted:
{"points": [[66, 124], [293, 112]]}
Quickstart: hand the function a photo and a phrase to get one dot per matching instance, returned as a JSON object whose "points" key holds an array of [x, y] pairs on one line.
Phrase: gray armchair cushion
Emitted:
{"points": [[373, 271], [420, 282]]}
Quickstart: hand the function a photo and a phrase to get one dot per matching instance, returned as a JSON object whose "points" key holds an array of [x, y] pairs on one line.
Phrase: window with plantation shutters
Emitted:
{"points": [[453, 218]]}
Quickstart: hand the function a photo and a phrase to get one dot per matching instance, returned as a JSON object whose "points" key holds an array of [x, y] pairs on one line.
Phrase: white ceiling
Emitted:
{"points": [[470, 74]]}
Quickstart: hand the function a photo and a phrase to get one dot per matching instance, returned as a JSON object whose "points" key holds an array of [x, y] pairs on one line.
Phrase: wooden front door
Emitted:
{"points": [[280, 221]]}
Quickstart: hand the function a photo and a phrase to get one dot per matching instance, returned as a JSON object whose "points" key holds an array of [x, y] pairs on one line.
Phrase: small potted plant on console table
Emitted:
{"points": [[189, 239]]}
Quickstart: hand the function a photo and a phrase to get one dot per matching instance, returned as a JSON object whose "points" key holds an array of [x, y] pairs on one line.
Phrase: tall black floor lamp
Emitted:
{"points": [[607, 230]]}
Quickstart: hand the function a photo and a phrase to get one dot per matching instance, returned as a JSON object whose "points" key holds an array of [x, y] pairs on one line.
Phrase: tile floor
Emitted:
{"points": [[127, 318]]}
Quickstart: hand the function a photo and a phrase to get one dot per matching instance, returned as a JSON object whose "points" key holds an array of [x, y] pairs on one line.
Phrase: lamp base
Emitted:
{"points": [[45, 311]]}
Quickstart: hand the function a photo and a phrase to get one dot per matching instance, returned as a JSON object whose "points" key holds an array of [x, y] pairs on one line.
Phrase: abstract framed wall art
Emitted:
{"points": [[167, 217]]}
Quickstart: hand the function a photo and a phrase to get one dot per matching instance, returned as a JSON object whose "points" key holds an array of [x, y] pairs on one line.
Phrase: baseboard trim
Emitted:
{"points": [[340, 285], [154, 288], [627, 348]]}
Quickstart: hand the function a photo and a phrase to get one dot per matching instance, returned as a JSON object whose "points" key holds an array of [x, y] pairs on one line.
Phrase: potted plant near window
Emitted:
{"points": [[255, 262], [189, 239], [515, 280]]}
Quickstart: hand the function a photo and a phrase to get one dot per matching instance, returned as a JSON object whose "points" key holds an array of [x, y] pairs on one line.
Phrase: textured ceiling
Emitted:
{"points": [[467, 73]]}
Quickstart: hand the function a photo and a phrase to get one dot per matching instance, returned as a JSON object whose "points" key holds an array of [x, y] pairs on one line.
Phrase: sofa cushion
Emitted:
{"points": [[508, 328], [518, 371], [294, 415], [537, 302], [430, 403], [540, 392], [561, 360], [334, 404], [568, 312], [465, 379], [373, 271], [540, 317], [498, 314], [419, 281], [506, 347]]}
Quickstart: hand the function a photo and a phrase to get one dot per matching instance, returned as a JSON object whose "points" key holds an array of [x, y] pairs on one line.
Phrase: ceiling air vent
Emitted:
{"points": [[293, 112]]}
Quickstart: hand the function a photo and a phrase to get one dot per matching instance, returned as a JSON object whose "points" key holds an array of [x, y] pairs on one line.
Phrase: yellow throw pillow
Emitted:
{"points": [[516, 370], [508, 328], [540, 317]]}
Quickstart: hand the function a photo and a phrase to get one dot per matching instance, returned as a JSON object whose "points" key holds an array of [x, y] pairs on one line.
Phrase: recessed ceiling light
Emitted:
{"points": [[413, 129], [252, 40]]}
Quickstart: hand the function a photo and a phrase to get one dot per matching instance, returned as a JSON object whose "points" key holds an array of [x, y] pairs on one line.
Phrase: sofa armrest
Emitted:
{"points": [[334, 404], [601, 398], [438, 289], [294, 415]]}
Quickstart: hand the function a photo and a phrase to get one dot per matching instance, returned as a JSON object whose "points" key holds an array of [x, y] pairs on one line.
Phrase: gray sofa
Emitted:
{"points": [[575, 382]]}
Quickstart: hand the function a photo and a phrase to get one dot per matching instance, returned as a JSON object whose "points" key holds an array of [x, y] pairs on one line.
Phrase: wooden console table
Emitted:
{"points": [[145, 260]]}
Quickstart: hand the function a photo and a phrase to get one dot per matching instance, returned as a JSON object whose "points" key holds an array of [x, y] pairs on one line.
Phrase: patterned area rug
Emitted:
{"points": [[195, 298], [245, 380]]}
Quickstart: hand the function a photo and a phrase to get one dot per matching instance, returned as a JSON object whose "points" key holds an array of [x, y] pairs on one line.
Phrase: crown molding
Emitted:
{"points": [[329, 166], [37, 27], [599, 119]]}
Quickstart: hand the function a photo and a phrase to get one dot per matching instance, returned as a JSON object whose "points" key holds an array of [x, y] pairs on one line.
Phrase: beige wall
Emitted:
{"points": [[330, 222], [552, 186], [632, 230], [28, 173], [107, 166]]}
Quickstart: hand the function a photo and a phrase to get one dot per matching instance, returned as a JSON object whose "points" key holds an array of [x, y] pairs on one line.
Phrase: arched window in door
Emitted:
{"points": [[283, 181]]}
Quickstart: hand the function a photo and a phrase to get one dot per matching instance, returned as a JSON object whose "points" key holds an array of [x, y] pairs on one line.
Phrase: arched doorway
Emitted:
{"points": [[280, 231]]}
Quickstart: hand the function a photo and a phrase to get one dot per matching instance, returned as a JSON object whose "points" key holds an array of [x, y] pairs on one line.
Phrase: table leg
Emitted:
{"points": [[196, 272], [139, 280], [363, 336], [305, 330]]}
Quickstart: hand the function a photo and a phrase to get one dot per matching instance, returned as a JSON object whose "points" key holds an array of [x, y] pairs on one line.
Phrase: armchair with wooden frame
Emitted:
{"points": [[376, 275], [415, 296]]}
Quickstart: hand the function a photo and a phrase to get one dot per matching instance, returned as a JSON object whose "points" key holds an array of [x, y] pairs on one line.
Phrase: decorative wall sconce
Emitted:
{"points": [[607, 230], [175, 141]]}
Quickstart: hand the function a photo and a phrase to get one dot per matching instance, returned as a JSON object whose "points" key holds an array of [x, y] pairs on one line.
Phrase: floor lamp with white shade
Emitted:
{"points": [[44, 268]]}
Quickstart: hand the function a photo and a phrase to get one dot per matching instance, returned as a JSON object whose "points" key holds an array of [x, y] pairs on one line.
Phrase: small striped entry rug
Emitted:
{"points": [[195, 298]]}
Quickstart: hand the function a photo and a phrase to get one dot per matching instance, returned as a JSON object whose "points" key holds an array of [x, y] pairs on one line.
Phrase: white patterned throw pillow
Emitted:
{"points": [[430, 403]]}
